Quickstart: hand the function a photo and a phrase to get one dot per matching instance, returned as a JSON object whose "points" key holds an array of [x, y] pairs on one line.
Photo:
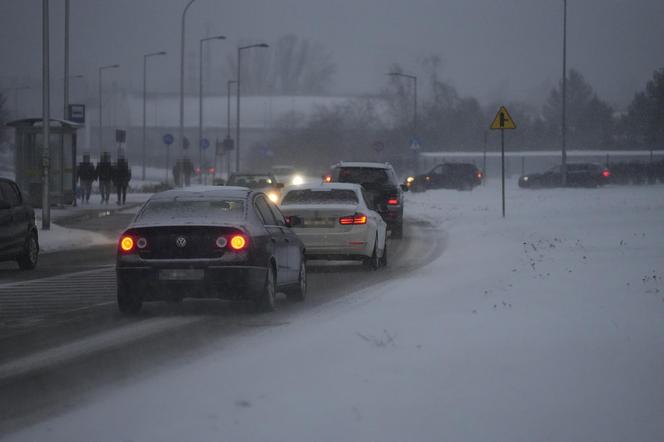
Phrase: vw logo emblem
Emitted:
{"points": [[181, 241]]}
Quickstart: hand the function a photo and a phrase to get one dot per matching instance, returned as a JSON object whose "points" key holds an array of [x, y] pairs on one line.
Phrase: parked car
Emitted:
{"points": [[460, 176], [336, 221], [219, 242], [264, 182], [19, 238], [382, 187], [578, 175]]}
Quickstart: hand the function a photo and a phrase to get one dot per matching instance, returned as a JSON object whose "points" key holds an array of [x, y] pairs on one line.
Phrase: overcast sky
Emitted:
{"points": [[495, 50]]}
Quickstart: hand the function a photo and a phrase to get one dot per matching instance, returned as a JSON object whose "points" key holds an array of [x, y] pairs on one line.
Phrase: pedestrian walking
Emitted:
{"points": [[121, 178], [105, 176], [86, 175]]}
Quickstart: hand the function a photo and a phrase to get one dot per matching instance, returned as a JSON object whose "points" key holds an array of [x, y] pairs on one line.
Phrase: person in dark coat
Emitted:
{"points": [[121, 178], [86, 175], [105, 176], [187, 171]]}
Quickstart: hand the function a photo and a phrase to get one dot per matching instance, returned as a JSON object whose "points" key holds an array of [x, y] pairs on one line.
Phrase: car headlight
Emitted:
{"points": [[410, 179], [297, 180], [274, 196], [525, 178]]}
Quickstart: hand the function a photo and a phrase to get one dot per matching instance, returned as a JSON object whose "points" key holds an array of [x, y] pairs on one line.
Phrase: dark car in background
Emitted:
{"points": [[222, 242], [578, 175], [264, 182], [460, 176], [382, 186], [19, 240]]}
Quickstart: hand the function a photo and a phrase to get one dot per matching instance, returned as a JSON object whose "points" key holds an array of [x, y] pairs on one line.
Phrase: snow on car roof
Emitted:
{"points": [[204, 192], [363, 164]]}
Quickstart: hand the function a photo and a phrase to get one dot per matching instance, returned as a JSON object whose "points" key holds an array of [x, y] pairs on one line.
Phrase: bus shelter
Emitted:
{"points": [[28, 159]]}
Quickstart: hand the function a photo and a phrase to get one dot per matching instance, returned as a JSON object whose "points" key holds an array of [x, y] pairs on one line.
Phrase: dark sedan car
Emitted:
{"points": [[217, 242], [460, 176], [19, 240], [578, 175]]}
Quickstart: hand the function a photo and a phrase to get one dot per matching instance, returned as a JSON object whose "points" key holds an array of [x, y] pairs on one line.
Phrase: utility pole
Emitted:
{"points": [[46, 119], [182, 35], [564, 98], [200, 103], [227, 153], [66, 85]]}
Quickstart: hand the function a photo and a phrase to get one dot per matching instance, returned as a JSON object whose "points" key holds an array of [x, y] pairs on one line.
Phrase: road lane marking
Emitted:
{"points": [[91, 344]]}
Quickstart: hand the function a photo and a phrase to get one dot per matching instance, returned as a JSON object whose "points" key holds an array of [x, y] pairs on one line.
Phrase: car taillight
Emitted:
{"points": [[606, 173], [141, 243], [327, 178], [393, 202], [221, 242], [358, 218], [238, 242], [479, 174], [126, 243]]}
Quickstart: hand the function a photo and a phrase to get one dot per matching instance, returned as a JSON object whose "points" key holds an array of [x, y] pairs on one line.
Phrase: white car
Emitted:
{"points": [[335, 222]]}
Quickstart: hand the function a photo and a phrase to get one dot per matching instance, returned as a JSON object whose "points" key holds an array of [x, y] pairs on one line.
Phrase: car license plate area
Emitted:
{"points": [[318, 222], [181, 274]]}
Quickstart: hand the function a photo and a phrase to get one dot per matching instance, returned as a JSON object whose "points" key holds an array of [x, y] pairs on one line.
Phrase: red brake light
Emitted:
{"points": [[479, 174], [238, 242], [211, 170], [606, 173], [393, 202], [126, 243], [358, 218]]}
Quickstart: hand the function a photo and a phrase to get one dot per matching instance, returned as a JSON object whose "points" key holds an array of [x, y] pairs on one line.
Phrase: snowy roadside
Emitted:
{"points": [[544, 326]]}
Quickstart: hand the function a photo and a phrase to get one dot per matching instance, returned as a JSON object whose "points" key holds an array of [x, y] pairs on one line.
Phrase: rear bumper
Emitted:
{"points": [[217, 281], [352, 244]]}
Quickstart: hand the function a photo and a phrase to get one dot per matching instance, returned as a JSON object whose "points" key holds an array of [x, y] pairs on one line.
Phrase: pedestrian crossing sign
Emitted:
{"points": [[503, 120]]}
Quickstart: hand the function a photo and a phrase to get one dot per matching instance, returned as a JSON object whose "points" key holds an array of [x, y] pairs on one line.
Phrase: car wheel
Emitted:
{"points": [[129, 303], [373, 262], [300, 292], [30, 256], [265, 301], [383, 259]]}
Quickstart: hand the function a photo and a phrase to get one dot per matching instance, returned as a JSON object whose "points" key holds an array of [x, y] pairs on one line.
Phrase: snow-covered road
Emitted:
{"points": [[544, 326]]}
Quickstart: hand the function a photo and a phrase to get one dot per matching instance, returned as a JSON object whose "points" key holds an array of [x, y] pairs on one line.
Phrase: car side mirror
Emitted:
{"points": [[279, 185], [4, 205]]}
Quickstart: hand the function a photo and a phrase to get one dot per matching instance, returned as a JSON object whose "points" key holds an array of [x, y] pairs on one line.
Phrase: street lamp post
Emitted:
{"points": [[66, 79], [145, 93], [200, 102], [237, 106], [414, 79], [229, 83], [564, 98], [101, 69], [46, 119], [182, 32]]}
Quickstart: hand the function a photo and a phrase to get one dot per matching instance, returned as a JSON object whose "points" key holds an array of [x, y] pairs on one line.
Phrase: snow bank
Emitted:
{"points": [[61, 238], [544, 326]]}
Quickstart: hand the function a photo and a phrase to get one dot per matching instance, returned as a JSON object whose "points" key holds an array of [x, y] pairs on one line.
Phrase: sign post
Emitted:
{"points": [[168, 140], [503, 121]]}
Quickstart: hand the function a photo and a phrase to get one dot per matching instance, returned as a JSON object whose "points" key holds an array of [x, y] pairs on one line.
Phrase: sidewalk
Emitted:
{"points": [[60, 237]]}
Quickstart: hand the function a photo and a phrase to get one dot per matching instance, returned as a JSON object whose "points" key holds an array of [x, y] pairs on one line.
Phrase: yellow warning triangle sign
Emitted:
{"points": [[503, 120]]}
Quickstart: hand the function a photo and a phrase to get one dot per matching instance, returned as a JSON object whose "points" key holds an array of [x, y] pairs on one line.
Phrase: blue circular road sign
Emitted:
{"points": [[205, 143], [168, 139]]}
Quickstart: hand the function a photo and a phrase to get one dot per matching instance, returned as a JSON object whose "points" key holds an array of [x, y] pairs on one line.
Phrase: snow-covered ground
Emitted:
{"points": [[60, 238], [545, 326]]}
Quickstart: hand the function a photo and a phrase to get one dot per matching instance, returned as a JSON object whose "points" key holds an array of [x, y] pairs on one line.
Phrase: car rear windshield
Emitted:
{"points": [[251, 181], [320, 196], [363, 175], [192, 211]]}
